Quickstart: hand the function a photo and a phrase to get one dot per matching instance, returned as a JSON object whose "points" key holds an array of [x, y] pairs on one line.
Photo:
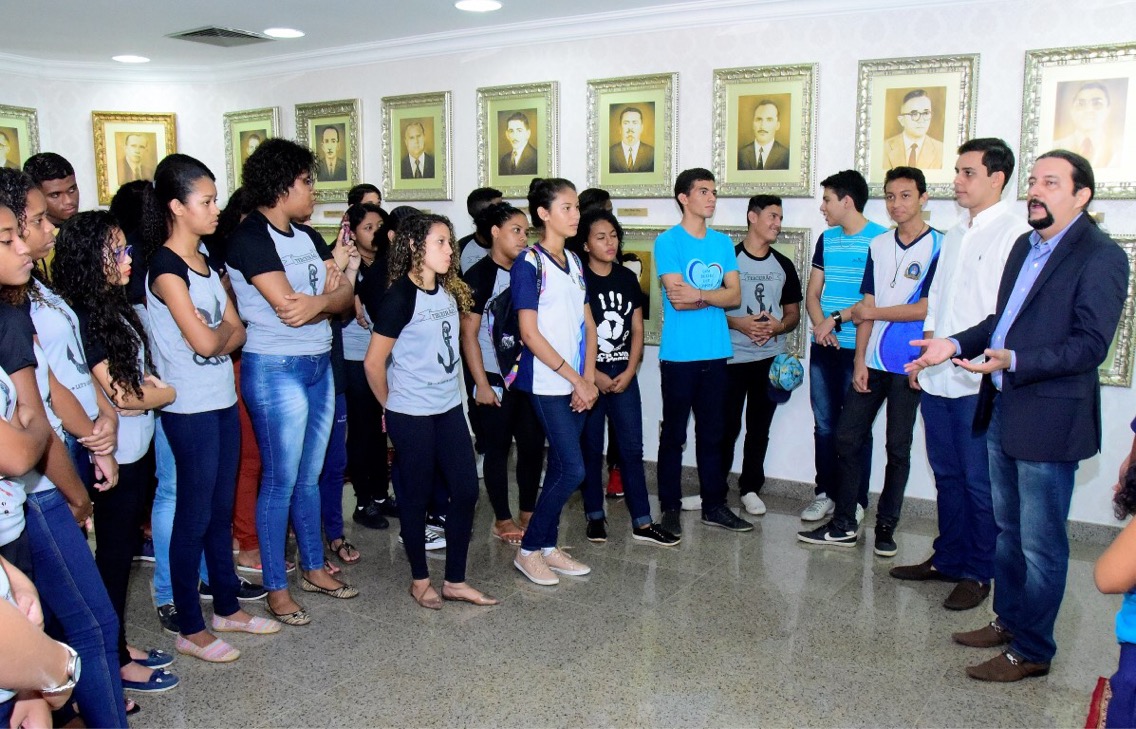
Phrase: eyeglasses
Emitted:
{"points": [[918, 116], [121, 254]]}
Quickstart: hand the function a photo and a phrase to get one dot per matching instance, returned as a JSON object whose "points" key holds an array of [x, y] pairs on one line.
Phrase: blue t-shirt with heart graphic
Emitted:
{"points": [[697, 334]]}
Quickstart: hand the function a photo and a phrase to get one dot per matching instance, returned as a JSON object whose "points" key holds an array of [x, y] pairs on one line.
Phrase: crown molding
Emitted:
{"points": [[695, 13]]}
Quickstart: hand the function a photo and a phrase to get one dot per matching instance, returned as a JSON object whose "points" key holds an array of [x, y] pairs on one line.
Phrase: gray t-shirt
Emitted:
{"points": [[257, 247], [58, 330], [424, 371], [202, 383], [471, 251], [768, 284]]}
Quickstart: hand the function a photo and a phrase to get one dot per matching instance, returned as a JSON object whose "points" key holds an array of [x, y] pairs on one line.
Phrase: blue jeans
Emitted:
{"points": [[332, 477], [565, 470], [1031, 560], [73, 596], [698, 387], [291, 403], [961, 463], [830, 377], [162, 518], [203, 520], [1122, 706], [81, 458], [625, 410]]}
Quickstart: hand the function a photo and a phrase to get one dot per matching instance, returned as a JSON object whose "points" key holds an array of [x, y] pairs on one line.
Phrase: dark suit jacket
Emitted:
{"points": [[644, 159], [339, 174], [1051, 402], [125, 175], [526, 165], [427, 167], [778, 157]]}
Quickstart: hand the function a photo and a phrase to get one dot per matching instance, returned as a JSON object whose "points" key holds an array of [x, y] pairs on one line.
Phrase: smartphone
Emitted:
{"points": [[498, 391]]}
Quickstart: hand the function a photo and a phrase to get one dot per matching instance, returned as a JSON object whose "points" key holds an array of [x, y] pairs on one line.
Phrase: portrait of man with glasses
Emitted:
{"points": [[1085, 121], [913, 146]]}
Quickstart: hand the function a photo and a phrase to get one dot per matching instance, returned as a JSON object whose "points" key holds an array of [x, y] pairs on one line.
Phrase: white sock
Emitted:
{"points": [[526, 552], [547, 550]]}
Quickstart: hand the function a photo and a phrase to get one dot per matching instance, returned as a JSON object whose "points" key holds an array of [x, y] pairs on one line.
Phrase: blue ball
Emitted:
{"points": [[786, 372]]}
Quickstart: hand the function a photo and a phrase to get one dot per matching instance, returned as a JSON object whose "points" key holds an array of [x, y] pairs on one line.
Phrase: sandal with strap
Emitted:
{"points": [[430, 603], [510, 535], [344, 546]]}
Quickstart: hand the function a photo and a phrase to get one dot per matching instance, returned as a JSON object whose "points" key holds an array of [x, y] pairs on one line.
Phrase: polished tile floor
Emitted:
{"points": [[727, 630]]}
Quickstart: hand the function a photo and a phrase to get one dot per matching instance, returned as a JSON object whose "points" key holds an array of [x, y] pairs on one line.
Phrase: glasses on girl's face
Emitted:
{"points": [[121, 254]]}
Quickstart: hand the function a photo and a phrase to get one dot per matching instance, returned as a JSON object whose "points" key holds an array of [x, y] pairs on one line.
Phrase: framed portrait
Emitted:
{"points": [[639, 256], [915, 112], [19, 135], [1082, 99], [633, 135], [416, 147], [765, 130], [331, 130], [1116, 369], [518, 136], [128, 146], [244, 131], [793, 243]]}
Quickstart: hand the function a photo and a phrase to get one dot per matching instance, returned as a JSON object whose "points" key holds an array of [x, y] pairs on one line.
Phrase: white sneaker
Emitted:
{"points": [[821, 507], [480, 466], [859, 519], [753, 504], [692, 503], [434, 539]]}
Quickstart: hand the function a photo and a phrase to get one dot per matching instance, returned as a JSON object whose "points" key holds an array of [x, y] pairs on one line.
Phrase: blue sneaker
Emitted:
{"points": [[160, 680], [146, 551]]}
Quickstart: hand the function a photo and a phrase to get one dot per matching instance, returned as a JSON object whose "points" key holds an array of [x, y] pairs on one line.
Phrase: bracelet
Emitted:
{"points": [[562, 361]]}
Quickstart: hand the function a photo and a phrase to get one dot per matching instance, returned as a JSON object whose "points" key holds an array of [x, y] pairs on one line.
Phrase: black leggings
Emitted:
{"points": [[366, 441], [433, 451], [118, 520], [495, 428]]}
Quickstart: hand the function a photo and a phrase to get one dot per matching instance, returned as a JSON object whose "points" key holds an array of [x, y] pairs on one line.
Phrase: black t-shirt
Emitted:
{"points": [[16, 335], [613, 298], [92, 347], [371, 283], [136, 286]]}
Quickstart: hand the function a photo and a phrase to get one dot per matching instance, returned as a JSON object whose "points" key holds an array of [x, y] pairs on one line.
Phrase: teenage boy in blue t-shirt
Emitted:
{"points": [[699, 275], [897, 280]]}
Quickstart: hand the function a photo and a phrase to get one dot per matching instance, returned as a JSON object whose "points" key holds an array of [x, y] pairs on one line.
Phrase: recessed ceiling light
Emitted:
{"points": [[283, 33], [478, 6], [130, 59]]}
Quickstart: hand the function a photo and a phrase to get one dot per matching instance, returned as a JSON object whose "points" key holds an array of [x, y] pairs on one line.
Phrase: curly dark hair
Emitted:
{"points": [[14, 188], [1124, 503], [79, 274], [406, 256], [271, 170]]}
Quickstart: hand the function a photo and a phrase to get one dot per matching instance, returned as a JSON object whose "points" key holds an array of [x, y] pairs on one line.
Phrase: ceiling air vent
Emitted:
{"points": [[224, 37]]}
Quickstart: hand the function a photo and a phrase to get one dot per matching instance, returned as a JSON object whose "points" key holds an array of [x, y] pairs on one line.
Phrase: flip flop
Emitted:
{"points": [[344, 546], [511, 537]]}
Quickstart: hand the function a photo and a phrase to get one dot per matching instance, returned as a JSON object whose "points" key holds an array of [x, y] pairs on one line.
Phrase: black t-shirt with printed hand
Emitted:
{"points": [[614, 299], [16, 335]]}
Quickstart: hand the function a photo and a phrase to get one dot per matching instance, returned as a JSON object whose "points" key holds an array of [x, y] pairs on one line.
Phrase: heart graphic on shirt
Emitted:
{"points": [[703, 276]]}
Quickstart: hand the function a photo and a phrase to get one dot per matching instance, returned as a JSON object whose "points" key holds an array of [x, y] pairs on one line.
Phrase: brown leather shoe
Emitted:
{"points": [[989, 636], [1006, 668], [966, 595], [920, 572]]}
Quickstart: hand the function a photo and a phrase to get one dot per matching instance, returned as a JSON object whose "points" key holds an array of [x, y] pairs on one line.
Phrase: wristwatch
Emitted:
{"points": [[74, 666], [836, 317]]}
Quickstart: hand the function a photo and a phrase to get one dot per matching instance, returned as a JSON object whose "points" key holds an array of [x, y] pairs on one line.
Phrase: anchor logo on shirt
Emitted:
{"points": [[447, 337], [212, 321], [759, 295], [77, 362], [313, 277]]}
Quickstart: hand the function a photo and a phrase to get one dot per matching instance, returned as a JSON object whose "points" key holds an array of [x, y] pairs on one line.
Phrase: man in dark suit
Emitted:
{"points": [[131, 166], [766, 153], [521, 157], [1059, 301], [331, 167], [631, 154], [416, 163]]}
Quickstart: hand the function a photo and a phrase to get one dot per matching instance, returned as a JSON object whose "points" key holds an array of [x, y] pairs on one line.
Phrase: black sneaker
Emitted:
{"points": [[721, 516], [370, 516], [388, 507], [828, 535], [145, 551], [655, 534], [437, 522], [168, 617], [672, 522], [885, 541], [249, 592], [597, 530]]}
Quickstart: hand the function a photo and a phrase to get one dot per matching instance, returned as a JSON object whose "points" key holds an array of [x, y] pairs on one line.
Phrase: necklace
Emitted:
{"points": [[899, 262]]}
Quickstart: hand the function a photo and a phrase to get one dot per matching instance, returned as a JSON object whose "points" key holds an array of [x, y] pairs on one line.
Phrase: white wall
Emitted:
{"points": [[1001, 32]]}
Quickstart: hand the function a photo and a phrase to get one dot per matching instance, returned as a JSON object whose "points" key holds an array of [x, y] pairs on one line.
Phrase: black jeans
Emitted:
{"points": [[118, 517], [700, 387], [496, 428], [860, 410], [366, 441], [432, 450], [748, 388]]}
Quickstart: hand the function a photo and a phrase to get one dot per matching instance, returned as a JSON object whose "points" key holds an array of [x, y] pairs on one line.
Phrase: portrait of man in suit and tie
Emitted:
{"points": [[763, 151], [9, 148], [330, 164], [136, 160], [249, 142], [520, 159], [630, 153], [417, 163], [914, 145], [1089, 122]]}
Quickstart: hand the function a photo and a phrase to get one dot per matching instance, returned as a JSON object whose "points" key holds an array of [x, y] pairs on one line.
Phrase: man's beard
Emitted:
{"points": [[1040, 223]]}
